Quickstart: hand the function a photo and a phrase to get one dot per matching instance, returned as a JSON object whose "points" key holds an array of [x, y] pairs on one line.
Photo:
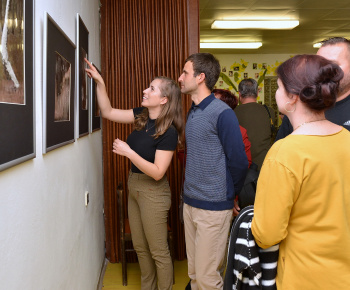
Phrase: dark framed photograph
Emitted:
{"points": [[17, 114], [58, 87], [255, 65], [82, 51], [95, 116]]}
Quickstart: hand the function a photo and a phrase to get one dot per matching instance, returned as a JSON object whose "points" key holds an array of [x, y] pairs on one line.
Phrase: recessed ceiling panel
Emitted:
{"points": [[319, 19]]}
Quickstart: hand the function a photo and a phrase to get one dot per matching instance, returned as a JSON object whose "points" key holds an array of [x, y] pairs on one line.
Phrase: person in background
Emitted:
{"points": [[216, 165], [336, 49], [255, 119], [303, 193], [150, 147]]}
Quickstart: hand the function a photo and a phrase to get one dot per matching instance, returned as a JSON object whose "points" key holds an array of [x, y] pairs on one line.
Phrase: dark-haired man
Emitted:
{"points": [[336, 49], [216, 166]]}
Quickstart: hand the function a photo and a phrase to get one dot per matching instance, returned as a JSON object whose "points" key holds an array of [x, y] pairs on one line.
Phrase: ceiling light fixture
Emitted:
{"points": [[317, 45], [259, 24], [242, 45]]}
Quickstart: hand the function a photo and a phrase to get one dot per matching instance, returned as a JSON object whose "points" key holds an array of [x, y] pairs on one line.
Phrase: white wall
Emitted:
{"points": [[48, 238]]}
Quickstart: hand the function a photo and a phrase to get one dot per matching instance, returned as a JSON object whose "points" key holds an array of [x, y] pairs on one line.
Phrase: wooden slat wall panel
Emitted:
{"points": [[141, 39]]}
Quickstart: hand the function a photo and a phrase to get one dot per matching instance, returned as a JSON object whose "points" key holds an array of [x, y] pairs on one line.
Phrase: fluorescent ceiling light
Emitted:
{"points": [[317, 45], [244, 45], [260, 24]]}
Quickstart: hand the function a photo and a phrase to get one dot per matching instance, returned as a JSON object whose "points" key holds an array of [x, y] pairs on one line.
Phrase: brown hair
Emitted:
{"points": [[313, 78], [171, 113], [205, 63], [227, 97]]}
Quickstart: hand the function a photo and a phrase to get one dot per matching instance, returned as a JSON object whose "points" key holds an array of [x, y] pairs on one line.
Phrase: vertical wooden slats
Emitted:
{"points": [[141, 39]]}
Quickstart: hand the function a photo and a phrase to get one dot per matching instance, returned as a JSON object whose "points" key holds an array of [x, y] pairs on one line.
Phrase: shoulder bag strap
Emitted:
{"points": [[268, 111]]}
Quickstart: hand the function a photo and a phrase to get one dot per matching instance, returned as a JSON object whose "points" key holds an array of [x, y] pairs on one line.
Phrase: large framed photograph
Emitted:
{"points": [[95, 116], [17, 121], [58, 87], [82, 52]]}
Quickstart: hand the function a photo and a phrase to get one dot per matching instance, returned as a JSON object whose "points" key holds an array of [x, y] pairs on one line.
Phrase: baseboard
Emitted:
{"points": [[102, 274]]}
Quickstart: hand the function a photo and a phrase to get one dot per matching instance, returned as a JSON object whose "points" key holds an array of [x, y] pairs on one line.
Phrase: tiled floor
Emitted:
{"points": [[113, 276]]}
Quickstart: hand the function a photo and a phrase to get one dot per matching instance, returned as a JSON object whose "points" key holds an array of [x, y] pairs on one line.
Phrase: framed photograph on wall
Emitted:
{"points": [[17, 114], [95, 116], [82, 41], [58, 87]]}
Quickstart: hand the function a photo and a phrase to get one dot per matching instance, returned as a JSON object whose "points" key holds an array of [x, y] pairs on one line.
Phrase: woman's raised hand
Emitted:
{"points": [[93, 73]]}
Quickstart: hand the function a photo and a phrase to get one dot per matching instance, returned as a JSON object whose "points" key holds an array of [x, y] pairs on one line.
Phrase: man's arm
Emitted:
{"points": [[232, 143]]}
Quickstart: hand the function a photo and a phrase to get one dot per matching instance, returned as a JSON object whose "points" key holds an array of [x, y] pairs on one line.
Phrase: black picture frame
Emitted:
{"points": [[17, 121], [95, 120], [57, 44], [83, 106]]}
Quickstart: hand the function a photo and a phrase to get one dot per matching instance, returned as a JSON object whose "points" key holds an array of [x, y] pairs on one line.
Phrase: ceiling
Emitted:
{"points": [[318, 20]]}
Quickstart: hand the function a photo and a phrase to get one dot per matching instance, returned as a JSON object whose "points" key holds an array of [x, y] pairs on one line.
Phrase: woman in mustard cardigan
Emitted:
{"points": [[303, 193]]}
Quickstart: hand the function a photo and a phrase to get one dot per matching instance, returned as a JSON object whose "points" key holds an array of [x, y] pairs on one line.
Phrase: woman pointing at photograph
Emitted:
{"points": [[158, 129]]}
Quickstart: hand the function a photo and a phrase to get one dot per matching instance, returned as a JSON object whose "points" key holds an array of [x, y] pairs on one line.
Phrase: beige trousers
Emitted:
{"points": [[148, 206], [206, 234]]}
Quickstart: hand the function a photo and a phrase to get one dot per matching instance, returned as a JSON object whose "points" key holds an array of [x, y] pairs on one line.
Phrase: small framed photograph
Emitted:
{"points": [[95, 116], [236, 68], [257, 75], [221, 83], [245, 75], [230, 73], [255, 65], [58, 87], [17, 110], [82, 51], [224, 69], [264, 66]]}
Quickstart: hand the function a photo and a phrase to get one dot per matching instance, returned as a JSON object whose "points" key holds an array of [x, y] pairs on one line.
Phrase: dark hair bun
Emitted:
{"points": [[312, 77]]}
